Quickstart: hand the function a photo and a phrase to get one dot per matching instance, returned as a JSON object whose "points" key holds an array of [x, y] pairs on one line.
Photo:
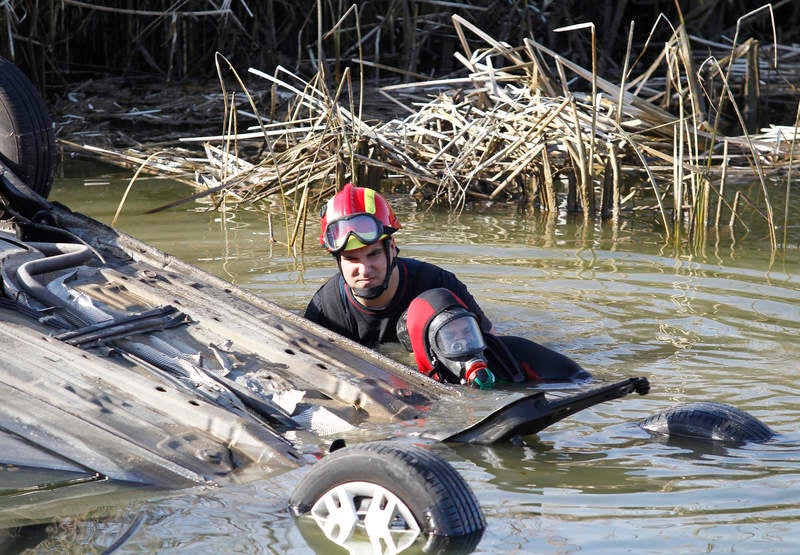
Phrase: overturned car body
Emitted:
{"points": [[123, 366], [123, 360]]}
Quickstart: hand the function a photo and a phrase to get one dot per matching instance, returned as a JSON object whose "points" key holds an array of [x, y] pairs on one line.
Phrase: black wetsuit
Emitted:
{"points": [[334, 306], [511, 358]]}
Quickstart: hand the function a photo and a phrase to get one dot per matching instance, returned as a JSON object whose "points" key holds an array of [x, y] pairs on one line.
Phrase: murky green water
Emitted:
{"points": [[721, 325]]}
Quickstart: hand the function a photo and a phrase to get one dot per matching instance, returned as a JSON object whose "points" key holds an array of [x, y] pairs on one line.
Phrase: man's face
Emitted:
{"points": [[365, 267]]}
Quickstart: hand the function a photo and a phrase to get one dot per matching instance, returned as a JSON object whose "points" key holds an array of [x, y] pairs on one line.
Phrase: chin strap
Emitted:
{"points": [[377, 291]]}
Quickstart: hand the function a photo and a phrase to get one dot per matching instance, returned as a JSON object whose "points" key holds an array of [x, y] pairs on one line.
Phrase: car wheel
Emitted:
{"points": [[27, 140], [707, 420], [391, 492]]}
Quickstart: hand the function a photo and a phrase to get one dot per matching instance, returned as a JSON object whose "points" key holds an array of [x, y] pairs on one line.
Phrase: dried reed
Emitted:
{"points": [[514, 124]]}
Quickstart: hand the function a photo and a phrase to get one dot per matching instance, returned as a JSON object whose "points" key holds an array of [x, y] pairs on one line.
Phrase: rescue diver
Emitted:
{"points": [[368, 298]]}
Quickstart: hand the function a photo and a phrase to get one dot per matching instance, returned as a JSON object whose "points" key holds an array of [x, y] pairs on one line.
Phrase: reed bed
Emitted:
{"points": [[517, 123]]}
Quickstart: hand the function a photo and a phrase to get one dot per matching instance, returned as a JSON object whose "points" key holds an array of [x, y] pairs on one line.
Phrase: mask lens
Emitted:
{"points": [[364, 226], [459, 337]]}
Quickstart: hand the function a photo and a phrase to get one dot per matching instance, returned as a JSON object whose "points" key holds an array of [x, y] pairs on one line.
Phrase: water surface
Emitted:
{"points": [[719, 323]]}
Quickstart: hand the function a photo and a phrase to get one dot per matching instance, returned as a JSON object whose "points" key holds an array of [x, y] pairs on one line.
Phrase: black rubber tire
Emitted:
{"points": [[708, 421], [27, 139], [437, 495]]}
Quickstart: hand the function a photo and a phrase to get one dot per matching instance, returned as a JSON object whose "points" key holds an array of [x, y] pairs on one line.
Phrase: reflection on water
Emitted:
{"points": [[719, 324]]}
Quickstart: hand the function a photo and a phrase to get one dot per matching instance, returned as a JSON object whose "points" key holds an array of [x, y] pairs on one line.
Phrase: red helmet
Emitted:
{"points": [[356, 217]]}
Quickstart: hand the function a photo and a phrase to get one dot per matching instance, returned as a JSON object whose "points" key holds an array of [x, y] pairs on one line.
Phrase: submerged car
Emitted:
{"points": [[124, 365]]}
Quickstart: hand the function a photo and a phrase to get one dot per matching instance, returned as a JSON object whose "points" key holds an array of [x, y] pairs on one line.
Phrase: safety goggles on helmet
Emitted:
{"points": [[364, 227]]}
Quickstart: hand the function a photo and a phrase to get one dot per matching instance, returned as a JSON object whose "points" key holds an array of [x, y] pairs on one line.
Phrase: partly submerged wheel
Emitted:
{"points": [[27, 140], [392, 493], [708, 421]]}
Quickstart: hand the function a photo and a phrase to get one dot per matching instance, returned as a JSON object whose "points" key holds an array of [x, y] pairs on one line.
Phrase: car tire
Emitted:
{"points": [[27, 139], [705, 420], [404, 487]]}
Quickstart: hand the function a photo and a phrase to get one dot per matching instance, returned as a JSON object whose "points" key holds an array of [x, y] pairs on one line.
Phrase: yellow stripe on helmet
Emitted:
{"points": [[369, 200]]}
